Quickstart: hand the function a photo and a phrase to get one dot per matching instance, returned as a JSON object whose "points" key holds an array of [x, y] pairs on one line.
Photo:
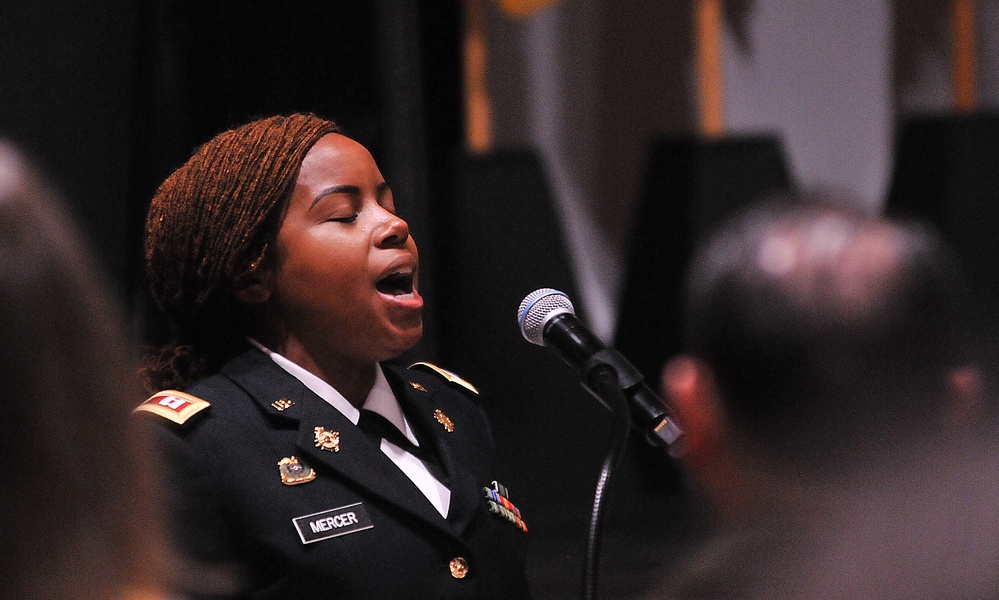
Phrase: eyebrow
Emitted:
{"points": [[348, 189]]}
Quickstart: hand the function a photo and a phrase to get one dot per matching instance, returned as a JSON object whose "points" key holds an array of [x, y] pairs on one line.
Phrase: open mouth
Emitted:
{"points": [[396, 284]]}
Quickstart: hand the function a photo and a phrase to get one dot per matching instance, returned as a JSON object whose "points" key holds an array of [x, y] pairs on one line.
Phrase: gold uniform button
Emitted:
{"points": [[459, 567]]}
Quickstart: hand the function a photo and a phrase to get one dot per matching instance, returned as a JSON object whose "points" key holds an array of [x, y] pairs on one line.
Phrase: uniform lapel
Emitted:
{"points": [[359, 460], [420, 407]]}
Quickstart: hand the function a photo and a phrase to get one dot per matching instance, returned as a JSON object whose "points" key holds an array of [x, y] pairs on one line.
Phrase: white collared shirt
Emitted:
{"points": [[382, 400]]}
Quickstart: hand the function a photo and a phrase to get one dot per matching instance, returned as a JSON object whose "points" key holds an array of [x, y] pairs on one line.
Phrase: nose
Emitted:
{"points": [[393, 231]]}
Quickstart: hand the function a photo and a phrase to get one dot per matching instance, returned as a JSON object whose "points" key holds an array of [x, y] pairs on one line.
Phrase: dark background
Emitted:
{"points": [[109, 98]]}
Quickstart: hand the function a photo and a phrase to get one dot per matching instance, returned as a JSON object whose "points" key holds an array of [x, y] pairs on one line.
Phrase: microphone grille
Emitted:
{"points": [[537, 309]]}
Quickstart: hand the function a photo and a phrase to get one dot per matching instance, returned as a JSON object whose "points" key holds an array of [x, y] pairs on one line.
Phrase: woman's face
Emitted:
{"points": [[344, 277]]}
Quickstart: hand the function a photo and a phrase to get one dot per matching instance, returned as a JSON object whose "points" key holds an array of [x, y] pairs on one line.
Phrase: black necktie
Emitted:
{"points": [[378, 427]]}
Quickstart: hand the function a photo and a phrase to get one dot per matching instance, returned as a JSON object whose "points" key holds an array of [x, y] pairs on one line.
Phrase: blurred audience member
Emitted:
{"points": [[74, 506], [829, 401]]}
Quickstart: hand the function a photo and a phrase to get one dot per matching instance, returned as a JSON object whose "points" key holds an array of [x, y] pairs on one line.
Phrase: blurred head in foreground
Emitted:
{"points": [[818, 341], [832, 412], [74, 508]]}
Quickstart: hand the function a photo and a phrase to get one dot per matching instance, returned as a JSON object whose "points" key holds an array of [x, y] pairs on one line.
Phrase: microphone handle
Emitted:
{"points": [[648, 411], [585, 353], [573, 341]]}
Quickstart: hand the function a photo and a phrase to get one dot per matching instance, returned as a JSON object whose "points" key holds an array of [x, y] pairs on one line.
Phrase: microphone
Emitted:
{"points": [[547, 318]]}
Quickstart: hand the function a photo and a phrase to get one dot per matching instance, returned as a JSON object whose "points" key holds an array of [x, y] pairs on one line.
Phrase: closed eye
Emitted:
{"points": [[349, 219]]}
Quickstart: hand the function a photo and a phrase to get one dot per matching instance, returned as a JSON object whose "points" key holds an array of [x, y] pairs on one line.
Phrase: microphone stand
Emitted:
{"points": [[602, 381]]}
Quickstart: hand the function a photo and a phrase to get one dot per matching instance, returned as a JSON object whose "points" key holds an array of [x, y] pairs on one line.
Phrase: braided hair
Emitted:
{"points": [[211, 221]]}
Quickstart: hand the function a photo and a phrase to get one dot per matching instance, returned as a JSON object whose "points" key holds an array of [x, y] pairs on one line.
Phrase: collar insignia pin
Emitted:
{"points": [[417, 386], [443, 420], [327, 440], [294, 472], [282, 404]]}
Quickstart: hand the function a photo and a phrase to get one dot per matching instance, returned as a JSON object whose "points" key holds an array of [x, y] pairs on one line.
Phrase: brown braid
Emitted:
{"points": [[211, 221]]}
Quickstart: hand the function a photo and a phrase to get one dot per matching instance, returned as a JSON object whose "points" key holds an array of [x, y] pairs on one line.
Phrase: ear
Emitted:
{"points": [[688, 387], [254, 286], [708, 453]]}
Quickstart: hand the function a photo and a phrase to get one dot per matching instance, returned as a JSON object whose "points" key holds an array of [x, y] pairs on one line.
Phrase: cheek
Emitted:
{"points": [[324, 283], [320, 273]]}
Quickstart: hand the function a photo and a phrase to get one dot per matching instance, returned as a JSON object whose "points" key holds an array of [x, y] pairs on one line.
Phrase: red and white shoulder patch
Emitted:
{"points": [[173, 405]]}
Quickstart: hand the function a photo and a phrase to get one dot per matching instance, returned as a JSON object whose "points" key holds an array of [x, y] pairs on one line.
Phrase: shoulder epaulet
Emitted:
{"points": [[173, 405], [448, 375]]}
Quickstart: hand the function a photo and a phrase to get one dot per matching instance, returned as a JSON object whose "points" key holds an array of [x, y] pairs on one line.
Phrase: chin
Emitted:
{"points": [[405, 340]]}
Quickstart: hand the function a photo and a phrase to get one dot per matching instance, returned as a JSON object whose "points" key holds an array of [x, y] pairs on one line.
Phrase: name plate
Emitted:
{"points": [[332, 523]]}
